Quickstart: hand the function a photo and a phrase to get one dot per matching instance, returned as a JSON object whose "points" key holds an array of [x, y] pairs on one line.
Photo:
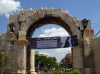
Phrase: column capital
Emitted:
{"points": [[21, 42]]}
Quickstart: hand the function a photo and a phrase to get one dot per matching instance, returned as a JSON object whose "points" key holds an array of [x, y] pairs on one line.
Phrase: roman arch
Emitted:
{"points": [[15, 43]]}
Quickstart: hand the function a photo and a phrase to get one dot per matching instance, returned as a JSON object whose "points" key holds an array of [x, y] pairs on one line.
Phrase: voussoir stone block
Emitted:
{"points": [[34, 16], [48, 11], [63, 15], [55, 12], [23, 15], [41, 13]]}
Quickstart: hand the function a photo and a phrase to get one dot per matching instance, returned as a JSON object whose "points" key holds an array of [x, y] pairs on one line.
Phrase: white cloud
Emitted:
{"points": [[9, 6], [51, 54], [63, 51], [41, 29], [1, 14], [58, 53], [56, 32]]}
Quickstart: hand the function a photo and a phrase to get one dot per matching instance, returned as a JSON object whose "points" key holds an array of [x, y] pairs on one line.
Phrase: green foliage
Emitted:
{"points": [[36, 59], [54, 58], [49, 62], [43, 61], [70, 70], [63, 65], [50, 71], [3, 61], [52, 62], [73, 72]]}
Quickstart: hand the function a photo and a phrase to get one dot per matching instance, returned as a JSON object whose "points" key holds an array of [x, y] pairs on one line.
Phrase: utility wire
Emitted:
{"points": [[39, 30], [97, 34]]}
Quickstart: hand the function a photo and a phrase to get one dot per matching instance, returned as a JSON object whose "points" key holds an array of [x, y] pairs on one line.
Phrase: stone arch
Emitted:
{"points": [[47, 16], [57, 14]]}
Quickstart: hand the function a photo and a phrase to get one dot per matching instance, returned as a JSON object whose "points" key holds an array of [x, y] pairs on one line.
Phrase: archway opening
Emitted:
{"points": [[62, 26]]}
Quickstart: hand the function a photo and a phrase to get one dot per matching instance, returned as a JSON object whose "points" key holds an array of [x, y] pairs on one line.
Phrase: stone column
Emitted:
{"points": [[88, 58], [21, 59], [22, 56], [88, 55], [78, 59], [32, 62]]}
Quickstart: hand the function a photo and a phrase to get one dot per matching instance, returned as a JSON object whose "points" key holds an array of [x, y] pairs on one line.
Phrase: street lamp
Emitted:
{"points": [[84, 23]]}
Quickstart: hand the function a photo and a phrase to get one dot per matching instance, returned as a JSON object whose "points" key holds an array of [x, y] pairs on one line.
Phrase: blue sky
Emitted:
{"points": [[89, 9]]}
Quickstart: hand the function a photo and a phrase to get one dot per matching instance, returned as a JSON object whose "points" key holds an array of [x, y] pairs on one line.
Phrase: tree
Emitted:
{"points": [[49, 62], [36, 61], [63, 65], [43, 60], [3, 61], [54, 58], [52, 62]]}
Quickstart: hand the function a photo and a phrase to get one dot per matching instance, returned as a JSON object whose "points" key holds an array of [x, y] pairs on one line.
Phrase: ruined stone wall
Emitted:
{"points": [[9, 47], [8, 44], [95, 47]]}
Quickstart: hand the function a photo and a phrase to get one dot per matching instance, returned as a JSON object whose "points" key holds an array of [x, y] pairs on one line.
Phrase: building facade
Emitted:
{"points": [[67, 60], [38, 53]]}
